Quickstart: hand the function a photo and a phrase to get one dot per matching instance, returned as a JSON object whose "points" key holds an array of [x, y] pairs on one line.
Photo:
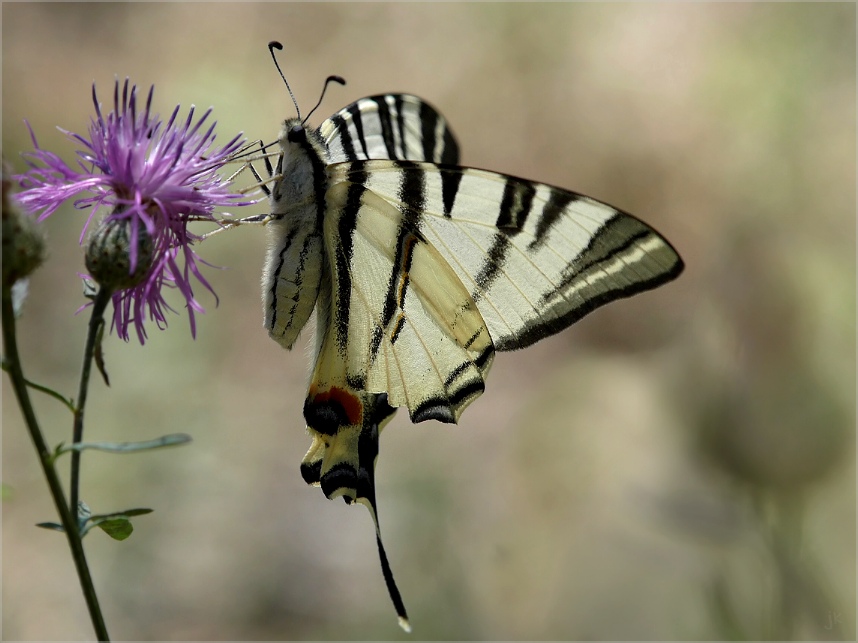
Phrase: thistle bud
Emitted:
{"points": [[115, 260], [23, 241]]}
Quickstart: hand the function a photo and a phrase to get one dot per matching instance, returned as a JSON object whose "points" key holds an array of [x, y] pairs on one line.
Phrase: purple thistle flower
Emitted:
{"points": [[155, 179]]}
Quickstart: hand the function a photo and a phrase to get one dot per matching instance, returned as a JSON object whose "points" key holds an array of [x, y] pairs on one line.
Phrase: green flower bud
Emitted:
{"points": [[23, 240], [109, 255]]}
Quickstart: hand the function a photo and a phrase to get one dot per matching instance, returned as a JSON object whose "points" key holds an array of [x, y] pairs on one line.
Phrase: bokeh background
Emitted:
{"points": [[680, 465]]}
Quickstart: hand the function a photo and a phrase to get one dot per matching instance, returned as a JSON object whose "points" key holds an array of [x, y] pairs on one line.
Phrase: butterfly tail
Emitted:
{"points": [[343, 464]]}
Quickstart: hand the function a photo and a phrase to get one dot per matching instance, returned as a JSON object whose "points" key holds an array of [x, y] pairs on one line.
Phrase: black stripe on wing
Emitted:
{"points": [[400, 124], [428, 124], [515, 207], [287, 243], [412, 194], [408, 127], [385, 121], [445, 409], [604, 271], [280, 299], [347, 224], [345, 136], [451, 179], [553, 211]]}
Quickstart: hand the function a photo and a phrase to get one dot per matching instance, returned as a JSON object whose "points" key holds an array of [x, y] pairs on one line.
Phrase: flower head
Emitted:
{"points": [[153, 178]]}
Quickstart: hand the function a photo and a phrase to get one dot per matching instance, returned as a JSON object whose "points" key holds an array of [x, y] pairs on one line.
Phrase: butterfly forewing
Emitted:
{"points": [[535, 258]]}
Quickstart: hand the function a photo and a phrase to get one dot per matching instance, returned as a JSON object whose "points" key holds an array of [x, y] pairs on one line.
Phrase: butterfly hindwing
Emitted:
{"points": [[389, 126], [294, 269], [404, 323], [292, 280]]}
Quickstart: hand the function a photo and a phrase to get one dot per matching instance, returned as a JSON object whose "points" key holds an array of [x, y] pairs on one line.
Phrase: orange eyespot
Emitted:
{"points": [[347, 404]]}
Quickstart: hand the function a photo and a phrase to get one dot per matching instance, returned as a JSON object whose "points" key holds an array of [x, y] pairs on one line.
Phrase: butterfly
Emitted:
{"points": [[420, 269]]}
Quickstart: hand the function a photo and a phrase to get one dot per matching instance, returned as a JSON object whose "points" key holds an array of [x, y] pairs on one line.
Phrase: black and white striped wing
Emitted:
{"points": [[344, 418], [403, 323], [389, 126], [398, 127], [518, 259]]}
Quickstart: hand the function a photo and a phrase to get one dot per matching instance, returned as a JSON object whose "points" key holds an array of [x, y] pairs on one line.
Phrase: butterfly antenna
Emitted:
{"points": [[328, 81], [271, 47]]}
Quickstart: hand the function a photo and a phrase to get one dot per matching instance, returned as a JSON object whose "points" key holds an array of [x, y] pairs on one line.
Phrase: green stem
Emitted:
{"points": [[67, 517], [95, 322]]}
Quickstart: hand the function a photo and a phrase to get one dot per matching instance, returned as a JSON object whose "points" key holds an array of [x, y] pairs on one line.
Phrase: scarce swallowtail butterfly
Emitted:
{"points": [[419, 270]]}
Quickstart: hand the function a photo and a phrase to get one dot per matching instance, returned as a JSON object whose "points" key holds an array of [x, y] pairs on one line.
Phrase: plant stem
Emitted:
{"points": [[67, 517], [95, 322]]}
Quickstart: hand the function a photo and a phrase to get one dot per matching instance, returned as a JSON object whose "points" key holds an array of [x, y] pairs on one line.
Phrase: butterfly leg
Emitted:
{"points": [[343, 464]]}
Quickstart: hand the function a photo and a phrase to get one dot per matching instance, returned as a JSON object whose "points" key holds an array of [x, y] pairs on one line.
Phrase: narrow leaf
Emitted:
{"points": [[174, 439], [50, 525], [58, 451], [99, 354], [67, 401], [141, 511]]}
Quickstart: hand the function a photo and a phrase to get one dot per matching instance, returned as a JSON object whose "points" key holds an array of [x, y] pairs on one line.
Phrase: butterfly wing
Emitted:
{"points": [[402, 321], [345, 419], [428, 258], [389, 126]]}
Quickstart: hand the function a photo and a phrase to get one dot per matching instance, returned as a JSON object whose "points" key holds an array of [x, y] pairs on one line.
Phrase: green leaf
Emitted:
{"points": [[58, 451], [50, 525], [117, 528], [99, 353], [116, 524], [174, 439], [140, 511], [67, 401]]}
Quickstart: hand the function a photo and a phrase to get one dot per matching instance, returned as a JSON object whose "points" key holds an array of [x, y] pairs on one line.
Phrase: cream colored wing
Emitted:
{"points": [[401, 321], [534, 258]]}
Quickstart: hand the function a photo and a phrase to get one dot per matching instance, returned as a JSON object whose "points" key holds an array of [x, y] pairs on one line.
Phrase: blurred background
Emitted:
{"points": [[680, 465]]}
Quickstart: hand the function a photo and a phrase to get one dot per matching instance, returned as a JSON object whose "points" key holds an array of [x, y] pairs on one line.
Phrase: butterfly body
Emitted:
{"points": [[295, 265], [419, 270]]}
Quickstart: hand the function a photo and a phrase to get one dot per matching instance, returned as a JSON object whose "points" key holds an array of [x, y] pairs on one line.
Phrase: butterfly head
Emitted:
{"points": [[297, 140], [294, 131], [303, 156]]}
